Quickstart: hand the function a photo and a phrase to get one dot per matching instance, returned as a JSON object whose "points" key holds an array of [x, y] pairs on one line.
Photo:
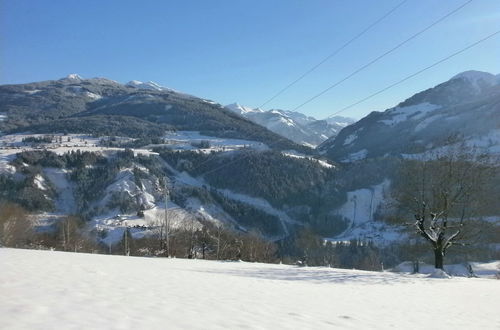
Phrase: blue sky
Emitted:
{"points": [[246, 51]]}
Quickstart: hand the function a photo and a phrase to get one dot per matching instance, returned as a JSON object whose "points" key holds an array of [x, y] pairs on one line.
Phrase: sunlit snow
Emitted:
{"points": [[55, 290]]}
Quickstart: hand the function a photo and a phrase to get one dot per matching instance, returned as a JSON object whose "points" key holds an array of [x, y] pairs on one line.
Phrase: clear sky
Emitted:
{"points": [[245, 51]]}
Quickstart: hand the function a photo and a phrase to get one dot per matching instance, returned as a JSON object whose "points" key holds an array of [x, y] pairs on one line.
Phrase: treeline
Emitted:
{"points": [[101, 126], [208, 241], [269, 175]]}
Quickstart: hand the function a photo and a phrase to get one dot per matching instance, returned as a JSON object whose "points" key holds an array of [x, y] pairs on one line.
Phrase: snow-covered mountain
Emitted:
{"points": [[294, 125], [466, 107], [138, 109]]}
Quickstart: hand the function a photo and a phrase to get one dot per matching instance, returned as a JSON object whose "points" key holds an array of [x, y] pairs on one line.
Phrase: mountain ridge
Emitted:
{"points": [[293, 125], [467, 105]]}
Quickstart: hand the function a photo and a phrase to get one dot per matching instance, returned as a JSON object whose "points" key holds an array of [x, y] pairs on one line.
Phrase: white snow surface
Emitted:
{"points": [[401, 114], [53, 290], [151, 85], [65, 202], [74, 76], [145, 85], [186, 140], [359, 210], [480, 269], [294, 154], [39, 182], [240, 109]]}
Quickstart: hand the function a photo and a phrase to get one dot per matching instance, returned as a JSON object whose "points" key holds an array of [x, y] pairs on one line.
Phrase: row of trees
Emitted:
{"points": [[18, 229], [207, 241]]}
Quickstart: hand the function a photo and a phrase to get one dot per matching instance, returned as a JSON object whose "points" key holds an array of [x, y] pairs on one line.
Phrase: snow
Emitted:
{"points": [[12, 144], [210, 212], [362, 203], [240, 109], [65, 202], [480, 269], [93, 95], [355, 156], [34, 91], [340, 121], [424, 123], [438, 273], [151, 85], [50, 290], [284, 120], [145, 85], [359, 210], [184, 140], [350, 139], [260, 204], [487, 142], [74, 76], [293, 154], [401, 114], [476, 78], [39, 182]]}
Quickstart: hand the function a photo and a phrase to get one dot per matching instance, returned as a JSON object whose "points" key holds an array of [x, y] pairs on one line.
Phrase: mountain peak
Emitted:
{"points": [[478, 78], [240, 109], [73, 76]]}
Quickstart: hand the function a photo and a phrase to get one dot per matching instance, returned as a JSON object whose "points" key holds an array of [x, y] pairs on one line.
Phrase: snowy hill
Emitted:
{"points": [[294, 125], [47, 290], [467, 107], [116, 182]]}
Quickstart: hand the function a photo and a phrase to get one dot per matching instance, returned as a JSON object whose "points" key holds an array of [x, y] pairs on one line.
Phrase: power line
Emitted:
{"points": [[380, 91], [383, 55], [334, 53], [416, 73], [352, 74], [326, 59]]}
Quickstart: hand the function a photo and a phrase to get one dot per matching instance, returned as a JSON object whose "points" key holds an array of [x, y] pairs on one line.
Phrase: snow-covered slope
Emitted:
{"points": [[151, 85], [294, 125], [49, 290], [242, 110], [466, 107]]}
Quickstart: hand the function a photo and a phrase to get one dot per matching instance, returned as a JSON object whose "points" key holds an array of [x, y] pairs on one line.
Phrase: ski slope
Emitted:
{"points": [[57, 290]]}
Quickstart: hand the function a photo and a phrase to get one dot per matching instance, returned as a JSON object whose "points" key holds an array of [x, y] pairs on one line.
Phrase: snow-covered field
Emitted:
{"points": [[186, 140], [57, 290]]}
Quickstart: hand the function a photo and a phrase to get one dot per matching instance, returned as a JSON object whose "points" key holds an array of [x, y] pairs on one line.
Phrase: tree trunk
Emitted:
{"points": [[438, 258]]}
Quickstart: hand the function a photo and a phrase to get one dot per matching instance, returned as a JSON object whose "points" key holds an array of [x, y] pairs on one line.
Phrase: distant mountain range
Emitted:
{"points": [[247, 168], [136, 109], [294, 125], [465, 108]]}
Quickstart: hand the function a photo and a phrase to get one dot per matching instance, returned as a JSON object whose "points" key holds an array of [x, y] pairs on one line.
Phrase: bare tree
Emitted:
{"points": [[69, 233], [443, 192], [16, 228]]}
